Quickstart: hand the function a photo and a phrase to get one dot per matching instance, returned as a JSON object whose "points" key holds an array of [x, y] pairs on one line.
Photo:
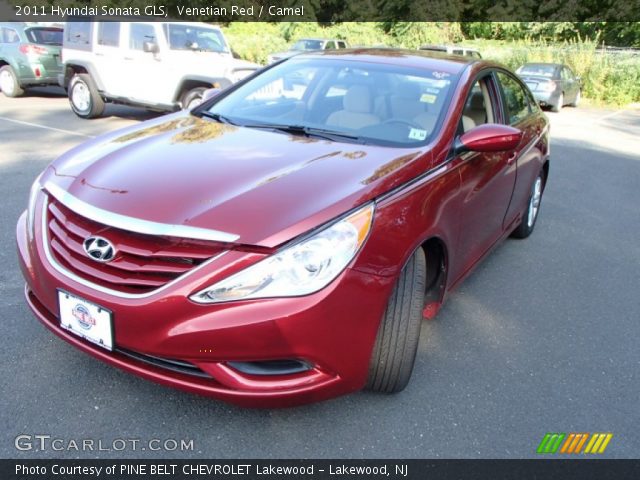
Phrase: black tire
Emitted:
{"points": [[193, 95], [556, 107], [394, 352], [84, 98], [529, 219], [15, 89]]}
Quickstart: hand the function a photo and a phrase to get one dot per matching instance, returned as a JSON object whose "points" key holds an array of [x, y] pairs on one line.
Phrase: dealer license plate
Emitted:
{"points": [[86, 319]]}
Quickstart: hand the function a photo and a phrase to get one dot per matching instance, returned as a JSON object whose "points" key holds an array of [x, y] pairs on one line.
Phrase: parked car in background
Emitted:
{"points": [[298, 237], [452, 50], [308, 45], [553, 84], [161, 66], [29, 56]]}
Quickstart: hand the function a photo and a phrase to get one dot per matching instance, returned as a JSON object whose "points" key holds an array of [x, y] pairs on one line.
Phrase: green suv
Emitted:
{"points": [[29, 56]]}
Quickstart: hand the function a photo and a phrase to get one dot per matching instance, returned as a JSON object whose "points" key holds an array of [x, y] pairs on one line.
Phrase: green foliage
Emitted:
{"points": [[608, 77]]}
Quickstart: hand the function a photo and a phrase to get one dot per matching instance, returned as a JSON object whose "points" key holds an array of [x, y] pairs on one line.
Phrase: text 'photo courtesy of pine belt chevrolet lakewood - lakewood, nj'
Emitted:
{"points": [[281, 242]]}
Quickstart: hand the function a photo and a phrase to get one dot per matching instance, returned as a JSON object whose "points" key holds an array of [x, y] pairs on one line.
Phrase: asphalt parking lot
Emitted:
{"points": [[543, 337]]}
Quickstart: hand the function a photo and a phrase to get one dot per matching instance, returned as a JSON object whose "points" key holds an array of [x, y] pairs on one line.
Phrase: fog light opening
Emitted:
{"points": [[271, 367]]}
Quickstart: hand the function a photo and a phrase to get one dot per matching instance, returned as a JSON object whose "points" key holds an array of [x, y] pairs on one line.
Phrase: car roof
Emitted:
{"points": [[545, 64], [320, 39], [432, 60]]}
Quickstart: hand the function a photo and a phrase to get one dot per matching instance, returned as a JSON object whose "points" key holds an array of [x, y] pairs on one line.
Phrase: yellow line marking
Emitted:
{"points": [[607, 439], [590, 444], [596, 445]]}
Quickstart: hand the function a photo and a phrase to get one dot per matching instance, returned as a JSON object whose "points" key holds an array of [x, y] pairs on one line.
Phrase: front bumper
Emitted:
{"points": [[332, 331]]}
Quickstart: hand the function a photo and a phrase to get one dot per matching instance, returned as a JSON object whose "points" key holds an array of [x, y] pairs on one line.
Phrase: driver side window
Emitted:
{"points": [[478, 109]]}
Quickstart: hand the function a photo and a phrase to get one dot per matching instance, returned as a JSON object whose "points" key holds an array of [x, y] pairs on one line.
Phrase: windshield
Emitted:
{"points": [[371, 103], [45, 36], [538, 70], [186, 37], [307, 45]]}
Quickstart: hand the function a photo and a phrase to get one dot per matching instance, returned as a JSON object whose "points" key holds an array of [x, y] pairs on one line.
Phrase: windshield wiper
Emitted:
{"points": [[308, 131], [217, 117]]}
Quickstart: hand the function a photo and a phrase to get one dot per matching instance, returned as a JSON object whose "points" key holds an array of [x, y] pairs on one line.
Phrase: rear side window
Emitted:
{"points": [[109, 34], [139, 34], [10, 36], [44, 36], [78, 33], [516, 98]]}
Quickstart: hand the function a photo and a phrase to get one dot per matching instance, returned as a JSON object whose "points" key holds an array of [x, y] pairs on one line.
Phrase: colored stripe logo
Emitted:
{"points": [[573, 443]]}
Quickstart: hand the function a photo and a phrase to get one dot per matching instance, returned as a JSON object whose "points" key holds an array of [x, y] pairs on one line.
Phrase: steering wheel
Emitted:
{"points": [[401, 121]]}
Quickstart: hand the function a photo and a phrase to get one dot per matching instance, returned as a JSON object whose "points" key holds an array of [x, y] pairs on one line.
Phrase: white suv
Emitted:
{"points": [[157, 65]]}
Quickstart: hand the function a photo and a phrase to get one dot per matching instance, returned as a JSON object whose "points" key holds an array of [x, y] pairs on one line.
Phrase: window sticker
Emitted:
{"points": [[417, 134], [428, 98]]}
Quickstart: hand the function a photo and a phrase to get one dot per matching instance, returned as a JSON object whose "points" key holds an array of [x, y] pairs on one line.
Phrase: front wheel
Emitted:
{"points": [[533, 208], [396, 345], [193, 98], [84, 98], [9, 82]]}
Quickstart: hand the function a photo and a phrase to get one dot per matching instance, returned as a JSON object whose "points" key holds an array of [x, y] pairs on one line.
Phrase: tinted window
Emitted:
{"points": [[330, 46], [516, 98], [538, 70], [307, 45], [79, 32], [45, 36], [342, 45], [109, 34], [139, 34]]}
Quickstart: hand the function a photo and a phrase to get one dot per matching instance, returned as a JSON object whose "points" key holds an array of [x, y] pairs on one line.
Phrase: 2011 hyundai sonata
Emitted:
{"points": [[282, 242]]}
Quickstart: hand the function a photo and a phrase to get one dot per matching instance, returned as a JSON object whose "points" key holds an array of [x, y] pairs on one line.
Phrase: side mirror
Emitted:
{"points": [[210, 93], [150, 47], [490, 137]]}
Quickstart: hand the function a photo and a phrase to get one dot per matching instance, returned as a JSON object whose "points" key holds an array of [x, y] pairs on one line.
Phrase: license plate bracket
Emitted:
{"points": [[86, 319]]}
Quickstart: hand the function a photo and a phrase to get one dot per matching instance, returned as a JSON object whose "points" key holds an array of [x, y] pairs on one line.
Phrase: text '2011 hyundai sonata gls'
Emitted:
{"points": [[281, 243]]}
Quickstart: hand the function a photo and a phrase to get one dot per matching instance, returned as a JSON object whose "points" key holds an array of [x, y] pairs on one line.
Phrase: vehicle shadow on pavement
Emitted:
{"points": [[44, 92]]}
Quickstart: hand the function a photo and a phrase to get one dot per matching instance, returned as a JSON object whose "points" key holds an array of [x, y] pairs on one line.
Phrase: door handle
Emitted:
{"points": [[128, 58]]}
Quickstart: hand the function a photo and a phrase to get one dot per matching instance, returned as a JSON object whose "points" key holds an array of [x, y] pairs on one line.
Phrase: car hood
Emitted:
{"points": [[263, 187]]}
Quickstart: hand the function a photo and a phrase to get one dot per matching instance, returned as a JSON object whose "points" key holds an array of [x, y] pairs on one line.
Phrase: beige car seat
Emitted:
{"points": [[356, 112]]}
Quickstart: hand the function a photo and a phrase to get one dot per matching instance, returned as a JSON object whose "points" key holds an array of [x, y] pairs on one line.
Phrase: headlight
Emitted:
{"points": [[31, 208], [300, 269]]}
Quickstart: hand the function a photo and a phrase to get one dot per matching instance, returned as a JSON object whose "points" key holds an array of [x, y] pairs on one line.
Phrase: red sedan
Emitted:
{"points": [[281, 243]]}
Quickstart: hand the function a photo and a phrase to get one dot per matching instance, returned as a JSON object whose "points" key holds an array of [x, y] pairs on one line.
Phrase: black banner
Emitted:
{"points": [[584, 469], [325, 10]]}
